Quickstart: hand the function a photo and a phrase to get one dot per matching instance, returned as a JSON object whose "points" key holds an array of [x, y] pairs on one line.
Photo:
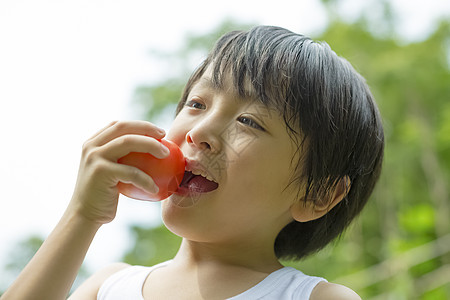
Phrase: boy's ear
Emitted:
{"points": [[302, 211]]}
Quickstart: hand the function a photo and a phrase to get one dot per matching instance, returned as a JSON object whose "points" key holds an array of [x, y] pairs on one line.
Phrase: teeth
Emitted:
{"points": [[196, 168], [203, 173]]}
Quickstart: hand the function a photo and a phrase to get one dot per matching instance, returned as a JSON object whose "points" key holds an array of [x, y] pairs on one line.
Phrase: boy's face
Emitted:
{"points": [[245, 148]]}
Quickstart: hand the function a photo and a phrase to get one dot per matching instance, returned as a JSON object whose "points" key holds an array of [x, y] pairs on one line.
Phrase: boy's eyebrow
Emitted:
{"points": [[208, 82], [263, 110]]}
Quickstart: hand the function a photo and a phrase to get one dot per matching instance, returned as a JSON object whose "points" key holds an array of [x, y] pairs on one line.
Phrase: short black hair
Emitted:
{"points": [[329, 112]]}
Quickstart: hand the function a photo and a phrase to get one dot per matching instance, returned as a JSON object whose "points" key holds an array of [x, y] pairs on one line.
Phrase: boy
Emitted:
{"points": [[284, 144]]}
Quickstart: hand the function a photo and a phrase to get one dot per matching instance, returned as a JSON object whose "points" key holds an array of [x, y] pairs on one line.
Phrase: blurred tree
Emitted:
{"points": [[20, 254], [18, 257], [152, 245]]}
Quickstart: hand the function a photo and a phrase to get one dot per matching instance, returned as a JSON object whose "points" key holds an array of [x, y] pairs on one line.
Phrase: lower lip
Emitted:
{"points": [[185, 197], [186, 191]]}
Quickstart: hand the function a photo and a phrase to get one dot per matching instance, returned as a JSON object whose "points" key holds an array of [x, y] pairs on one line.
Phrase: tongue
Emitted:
{"points": [[200, 184]]}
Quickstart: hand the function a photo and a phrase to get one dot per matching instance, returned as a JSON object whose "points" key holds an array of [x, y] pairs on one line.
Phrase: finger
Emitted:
{"points": [[125, 144], [128, 127], [136, 177]]}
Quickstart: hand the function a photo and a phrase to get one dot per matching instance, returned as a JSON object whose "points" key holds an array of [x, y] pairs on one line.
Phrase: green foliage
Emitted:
{"points": [[152, 246], [19, 256], [22, 253], [156, 98]]}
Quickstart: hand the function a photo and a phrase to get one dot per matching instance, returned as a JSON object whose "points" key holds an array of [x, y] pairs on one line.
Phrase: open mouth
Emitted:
{"points": [[193, 183]]}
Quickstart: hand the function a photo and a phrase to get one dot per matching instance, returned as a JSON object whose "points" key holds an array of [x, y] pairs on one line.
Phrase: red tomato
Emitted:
{"points": [[167, 173]]}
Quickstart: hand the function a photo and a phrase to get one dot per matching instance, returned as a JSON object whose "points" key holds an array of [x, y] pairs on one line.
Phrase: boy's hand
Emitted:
{"points": [[96, 195]]}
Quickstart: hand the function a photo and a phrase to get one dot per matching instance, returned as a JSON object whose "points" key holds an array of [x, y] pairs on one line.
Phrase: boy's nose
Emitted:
{"points": [[205, 137]]}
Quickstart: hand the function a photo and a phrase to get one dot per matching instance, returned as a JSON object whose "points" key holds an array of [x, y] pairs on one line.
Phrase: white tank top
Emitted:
{"points": [[285, 283]]}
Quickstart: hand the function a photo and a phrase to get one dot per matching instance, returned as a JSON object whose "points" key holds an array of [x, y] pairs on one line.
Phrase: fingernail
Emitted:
{"points": [[165, 150], [161, 131], [155, 189]]}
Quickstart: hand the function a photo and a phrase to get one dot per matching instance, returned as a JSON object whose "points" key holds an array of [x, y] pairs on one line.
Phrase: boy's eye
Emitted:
{"points": [[194, 104], [248, 121]]}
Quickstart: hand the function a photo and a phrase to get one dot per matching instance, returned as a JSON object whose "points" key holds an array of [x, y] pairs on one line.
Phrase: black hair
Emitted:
{"points": [[329, 113]]}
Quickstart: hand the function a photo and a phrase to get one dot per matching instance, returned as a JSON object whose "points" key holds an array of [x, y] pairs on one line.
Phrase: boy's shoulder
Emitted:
{"points": [[328, 290]]}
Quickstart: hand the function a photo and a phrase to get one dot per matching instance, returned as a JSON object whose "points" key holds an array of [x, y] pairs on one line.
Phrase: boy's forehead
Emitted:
{"points": [[225, 82], [206, 81]]}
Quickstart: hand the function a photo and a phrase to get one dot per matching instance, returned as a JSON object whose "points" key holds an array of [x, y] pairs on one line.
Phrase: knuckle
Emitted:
{"points": [[99, 167], [135, 174], [125, 140], [86, 147], [121, 125], [91, 155]]}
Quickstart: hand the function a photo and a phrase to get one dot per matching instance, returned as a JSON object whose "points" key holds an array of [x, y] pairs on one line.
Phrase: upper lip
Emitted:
{"points": [[198, 168]]}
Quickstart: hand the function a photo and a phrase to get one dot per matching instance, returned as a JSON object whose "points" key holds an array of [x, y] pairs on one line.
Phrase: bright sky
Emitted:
{"points": [[68, 67]]}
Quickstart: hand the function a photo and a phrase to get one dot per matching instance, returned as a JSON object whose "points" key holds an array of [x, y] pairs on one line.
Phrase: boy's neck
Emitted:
{"points": [[196, 255]]}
